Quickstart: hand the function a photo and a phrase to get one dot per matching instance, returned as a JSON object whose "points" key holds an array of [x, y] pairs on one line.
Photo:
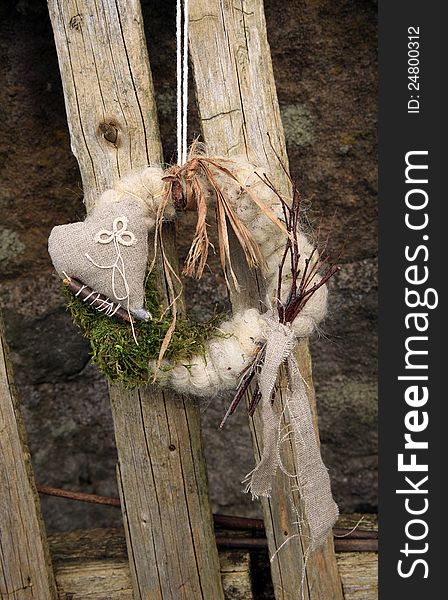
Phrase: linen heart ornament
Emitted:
{"points": [[107, 252]]}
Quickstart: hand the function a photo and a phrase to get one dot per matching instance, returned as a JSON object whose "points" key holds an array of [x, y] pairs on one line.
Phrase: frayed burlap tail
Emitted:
{"points": [[321, 510], [280, 341], [313, 480]]}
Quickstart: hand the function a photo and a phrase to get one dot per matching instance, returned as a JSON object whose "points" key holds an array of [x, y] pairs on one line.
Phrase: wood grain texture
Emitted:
{"points": [[240, 116], [92, 564], [25, 566], [108, 89], [359, 575], [236, 575], [235, 84], [174, 521], [113, 124], [95, 580]]}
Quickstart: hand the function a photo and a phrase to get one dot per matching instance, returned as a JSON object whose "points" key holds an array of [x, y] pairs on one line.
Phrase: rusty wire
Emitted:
{"points": [[345, 540]]}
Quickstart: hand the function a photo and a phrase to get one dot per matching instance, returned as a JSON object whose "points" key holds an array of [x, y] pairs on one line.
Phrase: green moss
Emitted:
{"points": [[114, 350]]}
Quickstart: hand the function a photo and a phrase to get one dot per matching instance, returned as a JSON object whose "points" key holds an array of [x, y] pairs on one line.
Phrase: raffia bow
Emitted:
{"points": [[191, 185], [312, 476]]}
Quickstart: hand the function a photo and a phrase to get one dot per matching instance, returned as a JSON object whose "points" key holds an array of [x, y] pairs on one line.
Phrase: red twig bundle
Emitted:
{"points": [[304, 283]]}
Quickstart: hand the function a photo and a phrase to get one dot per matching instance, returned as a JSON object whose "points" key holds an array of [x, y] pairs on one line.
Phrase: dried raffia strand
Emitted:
{"points": [[203, 176]]}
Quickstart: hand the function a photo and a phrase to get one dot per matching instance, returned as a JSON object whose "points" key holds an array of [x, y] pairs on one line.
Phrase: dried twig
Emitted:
{"points": [[97, 301], [353, 540], [304, 283]]}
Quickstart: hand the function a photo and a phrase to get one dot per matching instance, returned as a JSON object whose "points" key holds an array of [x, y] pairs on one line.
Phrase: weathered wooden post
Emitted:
{"points": [[239, 109], [161, 473], [25, 566]]}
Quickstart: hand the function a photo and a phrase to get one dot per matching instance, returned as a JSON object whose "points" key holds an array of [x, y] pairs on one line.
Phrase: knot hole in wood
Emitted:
{"points": [[76, 22], [109, 131]]}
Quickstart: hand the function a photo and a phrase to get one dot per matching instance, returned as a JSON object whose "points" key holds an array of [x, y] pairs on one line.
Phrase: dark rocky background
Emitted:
{"points": [[324, 55]]}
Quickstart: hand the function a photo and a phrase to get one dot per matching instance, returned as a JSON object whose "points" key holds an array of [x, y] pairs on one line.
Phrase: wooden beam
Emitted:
{"points": [[359, 575], [25, 566], [240, 116], [93, 564], [113, 125]]}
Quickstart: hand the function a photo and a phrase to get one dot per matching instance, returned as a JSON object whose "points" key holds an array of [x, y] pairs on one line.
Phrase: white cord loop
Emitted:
{"points": [[120, 236], [119, 232], [182, 79]]}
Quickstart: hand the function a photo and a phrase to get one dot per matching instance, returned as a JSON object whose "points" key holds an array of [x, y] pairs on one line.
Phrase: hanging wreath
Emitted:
{"points": [[103, 262]]}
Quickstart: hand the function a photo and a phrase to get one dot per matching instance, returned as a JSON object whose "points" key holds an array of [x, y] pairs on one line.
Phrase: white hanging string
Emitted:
{"points": [[182, 78], [179, 78], [185, 84]]}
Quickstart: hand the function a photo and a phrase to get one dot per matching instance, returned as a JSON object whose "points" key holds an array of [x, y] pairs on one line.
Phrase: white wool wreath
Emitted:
{"points": [[103, 260], [145, 194]]}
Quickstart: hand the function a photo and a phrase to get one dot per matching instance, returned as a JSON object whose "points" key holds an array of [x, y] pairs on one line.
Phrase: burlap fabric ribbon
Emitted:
{"points": [[312, 477]]}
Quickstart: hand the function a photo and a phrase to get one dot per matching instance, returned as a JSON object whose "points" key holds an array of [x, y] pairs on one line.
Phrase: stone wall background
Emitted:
{"points": [[324, 55]]}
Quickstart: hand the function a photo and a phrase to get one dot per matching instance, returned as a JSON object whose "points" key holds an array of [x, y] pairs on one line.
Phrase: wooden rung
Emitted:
{"points": [[93, 563], [25, 566]]}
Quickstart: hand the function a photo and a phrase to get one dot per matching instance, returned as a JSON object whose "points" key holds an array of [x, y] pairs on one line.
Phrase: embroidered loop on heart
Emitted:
{"points": [[120, 234]]}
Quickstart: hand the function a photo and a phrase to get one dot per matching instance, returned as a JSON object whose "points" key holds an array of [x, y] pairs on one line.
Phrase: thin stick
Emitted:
{"points": [[361, 536], [97, 301], [48, 490]]}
